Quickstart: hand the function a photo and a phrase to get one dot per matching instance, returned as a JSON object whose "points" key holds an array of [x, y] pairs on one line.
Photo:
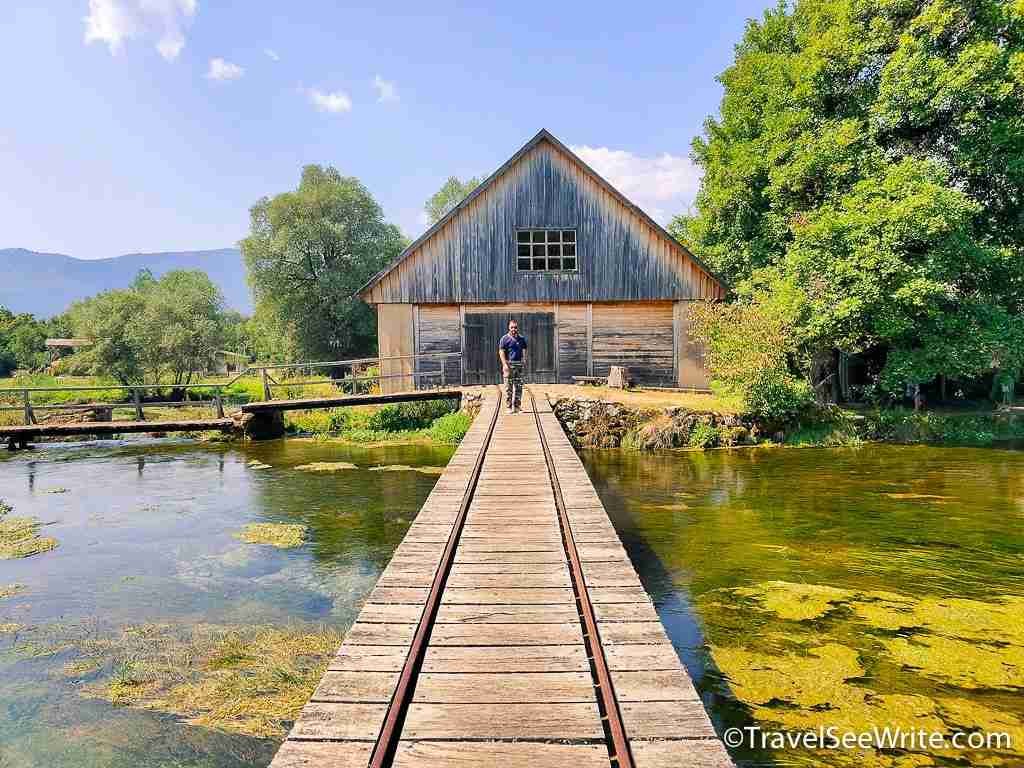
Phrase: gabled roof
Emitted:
{"points": [[542, 135]]}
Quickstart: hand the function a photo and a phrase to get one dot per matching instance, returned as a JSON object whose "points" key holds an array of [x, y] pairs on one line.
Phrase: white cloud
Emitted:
{"points": [[333, 101], [272, 54], [114, 22], [662, 186], [223, 70], [387, 91]]}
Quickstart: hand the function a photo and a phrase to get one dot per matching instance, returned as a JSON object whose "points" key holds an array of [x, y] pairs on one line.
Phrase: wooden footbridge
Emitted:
{"points": [[96, 418], [509, 630]]}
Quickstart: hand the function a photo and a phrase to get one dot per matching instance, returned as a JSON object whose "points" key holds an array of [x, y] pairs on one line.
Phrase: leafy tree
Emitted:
{"points": [[107, 320], [308, 253], [181, 325], [868, 168], [157, 330], [451, 193], [22, 341]]}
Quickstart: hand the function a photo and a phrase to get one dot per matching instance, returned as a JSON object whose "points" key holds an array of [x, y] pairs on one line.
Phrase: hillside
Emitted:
{"points": [[46, 283]]}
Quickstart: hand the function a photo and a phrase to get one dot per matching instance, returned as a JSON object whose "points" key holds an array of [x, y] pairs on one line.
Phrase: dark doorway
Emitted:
{"points": [[485, 329]]}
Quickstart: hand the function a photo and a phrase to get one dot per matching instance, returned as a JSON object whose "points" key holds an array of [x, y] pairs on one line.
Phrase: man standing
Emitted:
{"points": [[512, 353]]}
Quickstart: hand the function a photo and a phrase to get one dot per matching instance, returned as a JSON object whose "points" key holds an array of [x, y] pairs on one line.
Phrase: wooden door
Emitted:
{"points": [[485, 329]]}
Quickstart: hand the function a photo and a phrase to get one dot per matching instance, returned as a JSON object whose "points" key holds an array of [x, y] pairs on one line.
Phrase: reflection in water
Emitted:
{"points": [[148, 554], [881, 586]]}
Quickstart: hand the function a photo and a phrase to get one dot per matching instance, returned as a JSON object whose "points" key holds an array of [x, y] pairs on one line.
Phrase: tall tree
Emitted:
{"points": [[307, 254], [868, 165], [451, 193]]}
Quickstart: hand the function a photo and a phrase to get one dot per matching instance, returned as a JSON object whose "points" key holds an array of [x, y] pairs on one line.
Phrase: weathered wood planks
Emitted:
{"points": [[505, 679]]}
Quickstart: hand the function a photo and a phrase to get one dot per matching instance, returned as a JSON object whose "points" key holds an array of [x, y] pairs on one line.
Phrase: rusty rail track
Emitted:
{"points": [[384, 750], [611, 715]]}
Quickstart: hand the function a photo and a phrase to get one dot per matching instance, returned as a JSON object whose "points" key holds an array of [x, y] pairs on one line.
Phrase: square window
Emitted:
{"points": [[546, 250]]}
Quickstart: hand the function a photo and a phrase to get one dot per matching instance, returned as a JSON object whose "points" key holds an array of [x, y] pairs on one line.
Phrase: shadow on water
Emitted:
{"points": [[671, 601]]}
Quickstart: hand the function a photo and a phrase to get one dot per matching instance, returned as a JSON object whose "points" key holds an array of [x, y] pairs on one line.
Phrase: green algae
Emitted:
{"points": [[962, 663], [327, 466], [787, 676], [280, 535], [797, 602], [19, 537], [250, 680], [406, 468], [11, 590]]}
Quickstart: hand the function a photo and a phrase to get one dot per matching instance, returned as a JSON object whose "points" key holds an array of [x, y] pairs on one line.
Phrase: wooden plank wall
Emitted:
{"points": [[572, 341], [439, 329], [637, 335], [395, 337], [472, 258], [650, 338]]}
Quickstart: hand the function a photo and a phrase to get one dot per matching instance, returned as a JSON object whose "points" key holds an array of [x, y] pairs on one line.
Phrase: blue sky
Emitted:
{"points": [[144, 125]]}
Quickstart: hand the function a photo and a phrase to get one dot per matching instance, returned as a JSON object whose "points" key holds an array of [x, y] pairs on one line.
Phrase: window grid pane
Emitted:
{"points": [[546, 250]]}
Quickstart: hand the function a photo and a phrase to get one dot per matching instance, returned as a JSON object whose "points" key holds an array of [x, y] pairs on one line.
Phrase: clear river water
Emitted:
{"points": [[803, 588]]}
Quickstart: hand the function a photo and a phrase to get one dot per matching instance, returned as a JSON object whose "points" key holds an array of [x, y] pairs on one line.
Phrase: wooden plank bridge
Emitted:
{"points": [[509, 629], [22, 434]]}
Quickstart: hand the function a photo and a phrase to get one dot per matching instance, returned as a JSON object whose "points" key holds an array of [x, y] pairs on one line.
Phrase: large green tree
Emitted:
{"points": [[308, 253], [868, 166], [451, 193]]}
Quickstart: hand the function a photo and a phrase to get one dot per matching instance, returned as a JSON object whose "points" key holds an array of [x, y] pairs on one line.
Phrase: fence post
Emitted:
{"points": [[218, 403], [137, 398], [29, 416], [266, 386]]}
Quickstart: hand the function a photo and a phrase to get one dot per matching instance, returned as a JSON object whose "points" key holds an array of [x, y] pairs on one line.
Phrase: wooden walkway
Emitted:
{"points": [[24, 433], [509, 630]]}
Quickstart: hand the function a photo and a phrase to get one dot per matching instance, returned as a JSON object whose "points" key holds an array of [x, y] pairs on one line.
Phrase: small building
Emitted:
{"points": [[225, 362], [57, 348], [592, 280]]}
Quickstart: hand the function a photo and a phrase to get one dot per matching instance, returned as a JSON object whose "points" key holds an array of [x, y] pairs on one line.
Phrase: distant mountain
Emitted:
{"points": [[46, 283]]}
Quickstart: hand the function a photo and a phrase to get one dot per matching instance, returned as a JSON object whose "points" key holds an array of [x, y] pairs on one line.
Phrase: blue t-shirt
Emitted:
{"points": [[513, 346]]}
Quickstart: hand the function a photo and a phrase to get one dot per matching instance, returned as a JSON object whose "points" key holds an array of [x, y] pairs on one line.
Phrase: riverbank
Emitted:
{"points": [[431, 421], [611, 423]]}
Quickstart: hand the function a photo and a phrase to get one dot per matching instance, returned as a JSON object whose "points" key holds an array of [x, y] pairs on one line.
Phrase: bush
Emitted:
{"points": [[748, 349], [450, 428], [703, 436], [407, 416]]}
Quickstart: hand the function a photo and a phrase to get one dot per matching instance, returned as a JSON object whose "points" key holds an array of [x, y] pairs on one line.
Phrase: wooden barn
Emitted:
{"points": [[593, 281]]}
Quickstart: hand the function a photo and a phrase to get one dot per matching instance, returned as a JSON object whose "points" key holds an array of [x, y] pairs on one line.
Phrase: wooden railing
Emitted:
{"points": [[355, 382]]}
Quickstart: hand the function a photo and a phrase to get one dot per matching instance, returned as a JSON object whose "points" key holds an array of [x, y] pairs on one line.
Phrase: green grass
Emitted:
{"points": [[432, 420]]}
